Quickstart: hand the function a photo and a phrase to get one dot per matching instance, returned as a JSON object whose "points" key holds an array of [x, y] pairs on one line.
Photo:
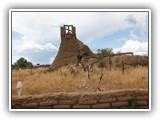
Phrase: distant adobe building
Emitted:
{"points": [[70, 48]]}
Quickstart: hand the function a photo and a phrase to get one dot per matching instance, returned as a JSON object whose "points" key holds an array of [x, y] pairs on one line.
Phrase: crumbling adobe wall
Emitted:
{"points": [[118, 99], [70, 48], [130, 60]]}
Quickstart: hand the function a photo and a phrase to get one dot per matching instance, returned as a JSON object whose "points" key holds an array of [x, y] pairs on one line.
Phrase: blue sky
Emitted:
{"points": [[118, 39], [36, 35]]}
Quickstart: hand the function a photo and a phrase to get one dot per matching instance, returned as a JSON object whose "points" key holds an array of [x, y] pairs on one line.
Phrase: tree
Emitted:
{"points": [[103, 52], [22, 63], [38, 64], [29, 64]]}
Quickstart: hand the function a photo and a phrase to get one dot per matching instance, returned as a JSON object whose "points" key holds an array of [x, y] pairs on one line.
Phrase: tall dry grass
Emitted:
{"points": [[61, 80]]}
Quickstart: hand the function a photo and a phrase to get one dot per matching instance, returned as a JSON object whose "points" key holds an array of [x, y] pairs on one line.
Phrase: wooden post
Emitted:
{"points": [[31, 71], [110, 62], [88, 71], [122, 67], [87, 77], [100, 79]]}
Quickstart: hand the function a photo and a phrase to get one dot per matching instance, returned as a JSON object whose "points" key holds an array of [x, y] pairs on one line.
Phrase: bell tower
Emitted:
{"points": [[68, 32], [70, 48]]}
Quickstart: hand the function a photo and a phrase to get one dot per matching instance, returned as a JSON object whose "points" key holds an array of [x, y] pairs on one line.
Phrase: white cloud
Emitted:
{"points": [[145, 25], [138, 48], [41, 30], [49, 47], [133, 35], [23, 45], [131, 19], [27, 49], [122, 40], [44, 27]]}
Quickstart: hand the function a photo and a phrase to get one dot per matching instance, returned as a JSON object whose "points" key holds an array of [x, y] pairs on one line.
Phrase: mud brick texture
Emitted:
{"points": [[114, 99]]}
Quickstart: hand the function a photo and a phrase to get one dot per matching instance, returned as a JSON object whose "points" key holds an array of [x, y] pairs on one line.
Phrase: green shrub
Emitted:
{"points": [[103, 52], [101, 63], [133, 103], [23, 63], [134, 62], [117, 62]]}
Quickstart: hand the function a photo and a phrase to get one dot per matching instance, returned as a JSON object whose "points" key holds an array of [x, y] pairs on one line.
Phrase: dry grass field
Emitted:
{"points": [[61, 80]]}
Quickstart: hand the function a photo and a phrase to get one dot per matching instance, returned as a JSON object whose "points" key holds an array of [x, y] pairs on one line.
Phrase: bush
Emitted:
{"points": [[29, 64], [23, 63], [117, 62], [133, 103], [144, 61], [104, 52], [134, 62], [101, 63], [47, 65]]}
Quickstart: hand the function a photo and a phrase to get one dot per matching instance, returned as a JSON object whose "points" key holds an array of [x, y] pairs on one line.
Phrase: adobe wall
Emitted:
{"points": [[86, 100]]}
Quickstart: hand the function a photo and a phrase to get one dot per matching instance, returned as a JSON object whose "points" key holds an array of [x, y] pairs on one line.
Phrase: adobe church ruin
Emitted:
{"points": [[70, 48]]}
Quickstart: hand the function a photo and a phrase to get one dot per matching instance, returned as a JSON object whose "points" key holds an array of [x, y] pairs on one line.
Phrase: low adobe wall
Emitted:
{"points": [[86, 100]]}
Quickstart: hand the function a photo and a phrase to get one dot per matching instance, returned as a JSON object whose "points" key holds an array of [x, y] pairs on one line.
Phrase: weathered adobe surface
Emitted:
{"points": [[117, 99], [116, 60], [69, 49], [128, 60]]}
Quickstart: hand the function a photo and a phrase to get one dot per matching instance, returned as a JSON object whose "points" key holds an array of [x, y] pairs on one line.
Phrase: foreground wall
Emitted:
{"points": [[86, 100]]}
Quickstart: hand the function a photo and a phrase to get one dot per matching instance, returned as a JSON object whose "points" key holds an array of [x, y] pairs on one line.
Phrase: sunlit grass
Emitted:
{"points": [[61, 80]]}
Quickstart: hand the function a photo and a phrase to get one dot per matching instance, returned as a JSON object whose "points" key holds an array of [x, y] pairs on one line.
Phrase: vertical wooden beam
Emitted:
{"points": [[110, 62], [122, 67]]}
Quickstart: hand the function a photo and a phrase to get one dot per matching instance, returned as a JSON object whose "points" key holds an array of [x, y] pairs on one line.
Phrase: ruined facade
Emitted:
{"points": [[70, 48]]}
